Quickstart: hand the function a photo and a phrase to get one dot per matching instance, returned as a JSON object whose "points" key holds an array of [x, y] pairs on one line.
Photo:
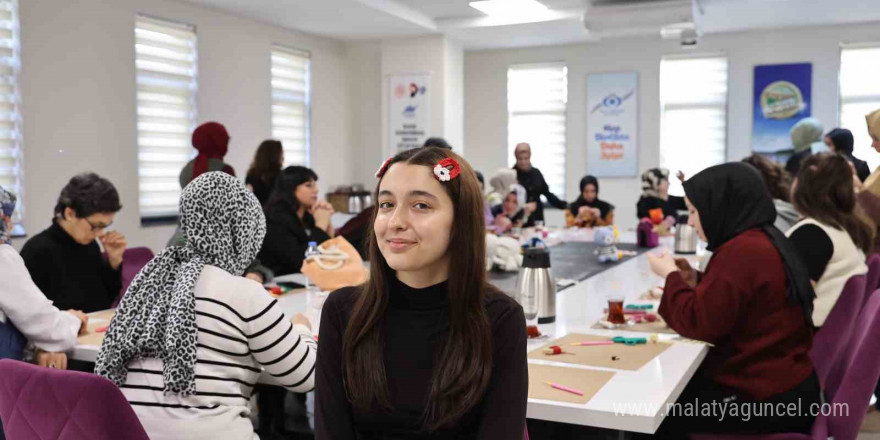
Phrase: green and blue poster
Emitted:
{"points": [[782, 97]]}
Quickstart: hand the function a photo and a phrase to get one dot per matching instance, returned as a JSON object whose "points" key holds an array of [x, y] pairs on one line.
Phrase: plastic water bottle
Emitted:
{"points": [[312, 250], [315, 296]]}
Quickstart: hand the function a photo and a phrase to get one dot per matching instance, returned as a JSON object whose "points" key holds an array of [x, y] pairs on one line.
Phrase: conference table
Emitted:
{"points": [[631, 401]]}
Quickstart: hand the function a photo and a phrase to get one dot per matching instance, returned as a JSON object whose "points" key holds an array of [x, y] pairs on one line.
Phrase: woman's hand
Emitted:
{"points": [[322, 217], [299, 318], [114, 244], [503, 222], [51, 360], [662, 264], [84, 319], [688, 273], [530, 207], [256, 276]]}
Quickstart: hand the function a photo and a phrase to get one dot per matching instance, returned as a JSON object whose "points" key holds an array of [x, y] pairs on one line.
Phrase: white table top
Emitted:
{"points": [[631, 400]]}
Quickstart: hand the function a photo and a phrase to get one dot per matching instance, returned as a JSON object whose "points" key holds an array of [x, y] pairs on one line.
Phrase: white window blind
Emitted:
{"points": [[536, 100], [166, 63], [860, 95], [11, 152], [693, 121], [291, 103]]}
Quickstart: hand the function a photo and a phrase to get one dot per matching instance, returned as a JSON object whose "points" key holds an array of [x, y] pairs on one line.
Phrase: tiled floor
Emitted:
{"points": [[871, 427]]}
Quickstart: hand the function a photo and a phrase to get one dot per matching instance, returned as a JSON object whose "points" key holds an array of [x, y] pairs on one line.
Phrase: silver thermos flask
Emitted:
{"points": [[536, 287], [354, 204]]}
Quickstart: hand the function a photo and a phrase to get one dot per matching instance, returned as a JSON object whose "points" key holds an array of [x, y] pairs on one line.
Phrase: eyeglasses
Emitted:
{"points": [[98, 227]]}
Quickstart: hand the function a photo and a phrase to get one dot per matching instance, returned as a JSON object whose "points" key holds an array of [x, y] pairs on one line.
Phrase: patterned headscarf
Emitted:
{"points": [[7, 205], [651, 181], [224, 227]]}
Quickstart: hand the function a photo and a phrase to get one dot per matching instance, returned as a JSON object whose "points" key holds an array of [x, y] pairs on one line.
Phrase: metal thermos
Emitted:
{"points": [[536, 287], [685, 239], [354, 204]]}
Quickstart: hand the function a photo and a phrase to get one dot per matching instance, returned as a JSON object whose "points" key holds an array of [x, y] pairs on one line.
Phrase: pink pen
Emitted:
{"points": [[590, 343], [564, 388]]}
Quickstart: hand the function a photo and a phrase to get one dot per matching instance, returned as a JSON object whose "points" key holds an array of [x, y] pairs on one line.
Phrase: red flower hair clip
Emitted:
{"points": [[383, 168], [447, 169]]}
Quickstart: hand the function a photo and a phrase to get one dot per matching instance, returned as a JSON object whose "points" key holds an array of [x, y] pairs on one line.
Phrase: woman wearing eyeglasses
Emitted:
{"points": [[65, 260]]}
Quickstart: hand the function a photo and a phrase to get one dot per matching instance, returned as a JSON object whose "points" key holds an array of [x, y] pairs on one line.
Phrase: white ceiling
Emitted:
{"points": [[364, 20]]}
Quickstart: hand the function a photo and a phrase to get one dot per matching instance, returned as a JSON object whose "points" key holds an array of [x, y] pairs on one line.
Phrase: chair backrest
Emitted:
{"points": [[836, 331], [39, 403], [873, 282], [134, 260], [860, 378]]}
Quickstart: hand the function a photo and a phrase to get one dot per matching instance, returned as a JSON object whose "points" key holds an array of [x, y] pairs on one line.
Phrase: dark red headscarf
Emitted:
{"points": [[212, 141]]}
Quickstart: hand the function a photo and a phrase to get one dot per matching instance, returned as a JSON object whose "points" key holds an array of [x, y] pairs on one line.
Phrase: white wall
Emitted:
{"points": [[367, 139], [78, 97], [486, 94], [454, 99]]}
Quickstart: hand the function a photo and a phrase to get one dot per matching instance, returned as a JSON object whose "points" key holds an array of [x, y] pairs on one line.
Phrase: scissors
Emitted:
{"points": [[629, 341]]}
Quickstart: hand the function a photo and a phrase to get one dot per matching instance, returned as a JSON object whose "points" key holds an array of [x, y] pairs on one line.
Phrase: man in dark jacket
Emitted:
{"points": [[533, 181]]}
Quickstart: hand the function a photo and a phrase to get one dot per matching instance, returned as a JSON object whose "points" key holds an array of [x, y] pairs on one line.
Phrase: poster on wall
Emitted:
{"points": [[409, 116], [781, 98], [612, 124]]}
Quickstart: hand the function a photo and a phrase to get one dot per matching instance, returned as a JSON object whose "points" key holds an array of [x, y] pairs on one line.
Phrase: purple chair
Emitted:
{"points": [[526, 434], [873, 282], [836, 330], [39, 403], [134, 260], [856, 387]]}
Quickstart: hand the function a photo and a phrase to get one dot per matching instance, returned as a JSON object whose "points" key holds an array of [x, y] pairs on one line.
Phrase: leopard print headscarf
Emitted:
{"points": [[224, 227]]}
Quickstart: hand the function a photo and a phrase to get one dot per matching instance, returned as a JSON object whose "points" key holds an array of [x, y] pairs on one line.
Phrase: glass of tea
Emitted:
{"points": [[615, 310]]}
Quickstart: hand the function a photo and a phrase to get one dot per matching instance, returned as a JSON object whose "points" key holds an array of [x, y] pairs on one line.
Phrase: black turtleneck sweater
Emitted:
{"points": [[72, 275], [416, 326]]}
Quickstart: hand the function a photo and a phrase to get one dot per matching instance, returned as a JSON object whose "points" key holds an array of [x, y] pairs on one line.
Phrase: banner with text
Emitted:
{"points": [[612, 124], [409, 116]]}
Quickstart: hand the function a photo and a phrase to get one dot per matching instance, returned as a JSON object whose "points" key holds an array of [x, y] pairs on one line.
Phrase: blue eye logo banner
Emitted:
{"points": [[612, 124], [409, 119], [782, 97]]}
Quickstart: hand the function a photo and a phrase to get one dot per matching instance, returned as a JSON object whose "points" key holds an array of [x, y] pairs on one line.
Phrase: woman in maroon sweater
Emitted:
{"points": [[753, 304]]}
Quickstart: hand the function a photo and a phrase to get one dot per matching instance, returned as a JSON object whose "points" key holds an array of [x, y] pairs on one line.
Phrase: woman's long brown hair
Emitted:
{"points": [[267, 162], [824, 191], [778, 180], [463, 368]]}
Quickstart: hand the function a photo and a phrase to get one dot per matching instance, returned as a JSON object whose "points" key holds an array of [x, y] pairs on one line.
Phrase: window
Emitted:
{"points": [[693, 115], [536, 99], [291, 103], [11, 152], [860, 95], [166, 64]]}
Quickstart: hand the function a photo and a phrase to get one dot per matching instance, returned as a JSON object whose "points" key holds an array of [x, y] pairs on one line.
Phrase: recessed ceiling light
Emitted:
{"points": [[509, 8]]}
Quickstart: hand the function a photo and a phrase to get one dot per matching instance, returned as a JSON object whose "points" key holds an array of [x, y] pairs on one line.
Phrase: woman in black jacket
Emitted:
{"points": [[294, 217]]}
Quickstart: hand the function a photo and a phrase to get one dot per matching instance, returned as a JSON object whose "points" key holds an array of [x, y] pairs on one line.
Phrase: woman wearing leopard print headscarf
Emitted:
{"points": [[190, 336]]}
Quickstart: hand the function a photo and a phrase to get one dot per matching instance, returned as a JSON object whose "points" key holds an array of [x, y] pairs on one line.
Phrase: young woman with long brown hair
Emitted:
{"points": [[832, 241], [264, 169], [427, 348]]}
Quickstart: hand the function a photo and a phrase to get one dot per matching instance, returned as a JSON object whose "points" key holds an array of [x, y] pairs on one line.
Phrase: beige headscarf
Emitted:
{"points": [[873, 119], [806, 132]]}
